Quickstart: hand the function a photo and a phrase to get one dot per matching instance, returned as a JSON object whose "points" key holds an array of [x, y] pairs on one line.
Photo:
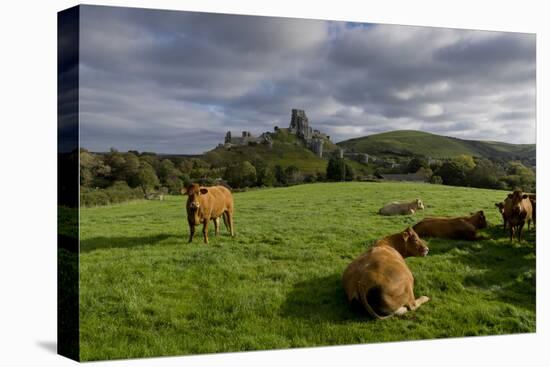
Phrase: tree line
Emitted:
{"points": [[112, 177]]}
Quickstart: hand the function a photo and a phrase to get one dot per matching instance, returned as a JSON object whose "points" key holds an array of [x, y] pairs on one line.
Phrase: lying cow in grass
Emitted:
{"points": [[380, 278], [397, 208], [455, 228], [518, 209], [208, 203]]}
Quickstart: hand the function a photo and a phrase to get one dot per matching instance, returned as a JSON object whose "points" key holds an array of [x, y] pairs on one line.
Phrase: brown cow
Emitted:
{"points": [[455, 228], [208, 203], [518, 209], [500, 207], [380, 278]]}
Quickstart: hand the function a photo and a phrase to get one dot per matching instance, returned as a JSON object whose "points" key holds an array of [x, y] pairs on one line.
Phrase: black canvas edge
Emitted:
{"points": [[68, 330]]}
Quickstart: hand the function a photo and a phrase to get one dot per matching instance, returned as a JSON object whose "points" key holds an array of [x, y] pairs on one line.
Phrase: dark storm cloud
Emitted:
{"points": [[177, 81]]}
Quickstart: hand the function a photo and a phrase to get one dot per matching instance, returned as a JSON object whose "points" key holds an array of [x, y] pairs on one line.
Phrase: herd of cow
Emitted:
{"points": [[379, 278]]}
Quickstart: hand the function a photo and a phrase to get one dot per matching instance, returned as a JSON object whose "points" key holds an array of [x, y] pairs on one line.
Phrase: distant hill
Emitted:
{"points": [[287, 150], [411, 142]]}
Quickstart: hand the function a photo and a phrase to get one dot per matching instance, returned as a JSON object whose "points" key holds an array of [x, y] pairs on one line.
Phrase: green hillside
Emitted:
{"points": [[287, 150], [411, 142]]}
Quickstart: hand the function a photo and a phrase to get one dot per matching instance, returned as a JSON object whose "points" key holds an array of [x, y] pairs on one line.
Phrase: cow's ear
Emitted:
{"points": [[497, 205], [405, 234], [183, 191], [509, 196], [525, 196], [204, 191]]}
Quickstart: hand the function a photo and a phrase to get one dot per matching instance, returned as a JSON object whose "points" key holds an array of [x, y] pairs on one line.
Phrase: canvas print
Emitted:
{"points": [[235, 183]]}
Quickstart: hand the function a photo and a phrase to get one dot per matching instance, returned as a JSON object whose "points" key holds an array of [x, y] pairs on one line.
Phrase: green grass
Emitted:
{"points": [[407, 142], [146, 292]]}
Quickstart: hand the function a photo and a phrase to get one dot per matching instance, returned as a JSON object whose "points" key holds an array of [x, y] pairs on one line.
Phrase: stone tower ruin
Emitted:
{"points": [[299, 125]]}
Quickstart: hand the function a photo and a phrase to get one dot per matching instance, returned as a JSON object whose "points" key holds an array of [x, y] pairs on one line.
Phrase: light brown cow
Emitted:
{"points": [[208, 203], [380, 278], [398, 208], [518, 209], [455, 228]]}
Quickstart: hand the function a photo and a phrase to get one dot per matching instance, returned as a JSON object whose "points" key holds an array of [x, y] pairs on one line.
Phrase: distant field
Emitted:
{"points": [[146, 292]]}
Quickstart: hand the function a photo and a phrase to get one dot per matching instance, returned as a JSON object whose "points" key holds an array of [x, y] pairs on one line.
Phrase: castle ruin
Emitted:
{"points": [[247, 138], [299, 126]]}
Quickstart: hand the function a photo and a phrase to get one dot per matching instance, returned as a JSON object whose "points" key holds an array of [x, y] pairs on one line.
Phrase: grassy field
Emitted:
{"points": [[146, 292]]}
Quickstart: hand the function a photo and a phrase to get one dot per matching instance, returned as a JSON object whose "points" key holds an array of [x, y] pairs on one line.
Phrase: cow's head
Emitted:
{"points": [[479, 220], [419, 204], [194, 191], [413, 244], [515, 201], [500, 207]]}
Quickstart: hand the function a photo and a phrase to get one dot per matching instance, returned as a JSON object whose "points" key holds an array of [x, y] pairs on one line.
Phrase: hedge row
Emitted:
{"points": [[118, 193]]}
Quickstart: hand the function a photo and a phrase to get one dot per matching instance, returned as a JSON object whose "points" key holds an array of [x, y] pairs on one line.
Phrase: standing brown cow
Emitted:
{"points": [[208, 203], [380, 278], [500, 207], [518, 209]]}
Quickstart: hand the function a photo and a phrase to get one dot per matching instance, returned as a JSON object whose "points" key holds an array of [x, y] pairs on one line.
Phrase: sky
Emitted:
{"points": [[176, 82]]}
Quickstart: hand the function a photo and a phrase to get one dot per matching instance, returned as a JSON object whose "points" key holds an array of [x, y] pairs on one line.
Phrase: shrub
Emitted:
{"points": [[117, 193]]}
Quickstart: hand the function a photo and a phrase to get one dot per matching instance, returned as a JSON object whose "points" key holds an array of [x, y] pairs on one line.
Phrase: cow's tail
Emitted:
{"points": [[364, 300]]}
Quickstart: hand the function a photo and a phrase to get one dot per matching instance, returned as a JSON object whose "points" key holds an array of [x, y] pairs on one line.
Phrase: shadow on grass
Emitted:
{"points": [[505, 269], [98, 243], [321, 299]]}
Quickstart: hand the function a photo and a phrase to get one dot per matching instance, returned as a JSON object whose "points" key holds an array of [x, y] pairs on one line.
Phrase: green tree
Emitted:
{"points": [[451, 173], [130, 169], [280, 175], [339, 170], [293, 175], [93, 170], [465, 162], [520, 176], [485, 174], [415, 164], [425, 173], [264, 174], [242, 174], [146, 177]]}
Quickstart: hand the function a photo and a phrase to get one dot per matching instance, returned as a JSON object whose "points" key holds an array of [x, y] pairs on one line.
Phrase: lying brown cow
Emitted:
{"points": [[455, 228], [208, 203], [397, 208], [380, 278], [518, 209]]}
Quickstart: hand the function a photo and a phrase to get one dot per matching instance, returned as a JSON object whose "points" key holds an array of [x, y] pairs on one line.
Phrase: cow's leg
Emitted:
{"points": [[230, 221], [217, 226], [400, 311], [205, 230], [191, 232], [520, 229], [421, 300], [511, 232], [224, 216]]}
